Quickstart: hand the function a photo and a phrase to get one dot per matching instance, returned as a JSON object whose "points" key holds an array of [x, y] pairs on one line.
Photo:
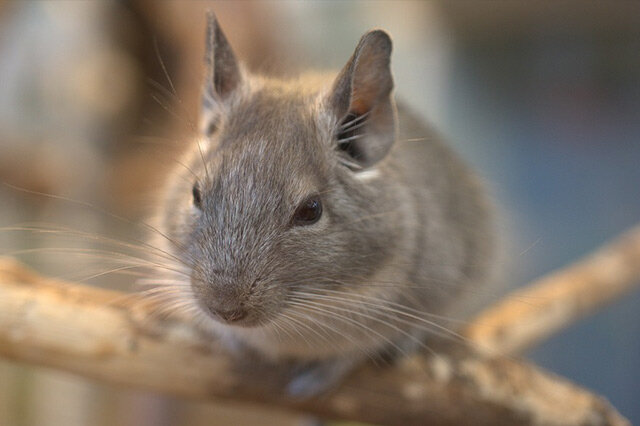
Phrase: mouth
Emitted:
{"points": [[240, 317], [231, 316]]}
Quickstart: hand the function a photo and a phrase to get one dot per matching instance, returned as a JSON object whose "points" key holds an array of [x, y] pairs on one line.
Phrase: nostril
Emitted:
{"points": [[233, 315]]}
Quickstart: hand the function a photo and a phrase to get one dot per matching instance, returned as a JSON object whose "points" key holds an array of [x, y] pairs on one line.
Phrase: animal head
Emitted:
{"points": [[285, 192]]}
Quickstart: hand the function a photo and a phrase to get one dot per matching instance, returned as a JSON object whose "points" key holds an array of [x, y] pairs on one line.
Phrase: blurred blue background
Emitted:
{"points": [[554, 109], [543, 98]]}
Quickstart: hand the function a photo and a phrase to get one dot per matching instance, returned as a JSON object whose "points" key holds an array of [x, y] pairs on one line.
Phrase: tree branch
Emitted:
{"points": [[557, 300], [116, 338]]}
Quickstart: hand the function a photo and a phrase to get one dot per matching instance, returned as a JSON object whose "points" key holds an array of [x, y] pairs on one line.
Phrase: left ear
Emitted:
{"points": [[361, 99], [223, 74]]}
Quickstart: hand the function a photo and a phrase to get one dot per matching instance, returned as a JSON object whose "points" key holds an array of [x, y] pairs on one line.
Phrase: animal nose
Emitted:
{"points": [[231, 315]]}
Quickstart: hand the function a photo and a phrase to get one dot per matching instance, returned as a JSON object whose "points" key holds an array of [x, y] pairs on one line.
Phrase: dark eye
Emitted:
{"points": [[197, 195], [308, 212]]}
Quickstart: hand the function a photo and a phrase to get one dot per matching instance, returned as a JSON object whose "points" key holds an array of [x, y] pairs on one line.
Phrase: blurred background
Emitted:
{"points": [[543, 98]]}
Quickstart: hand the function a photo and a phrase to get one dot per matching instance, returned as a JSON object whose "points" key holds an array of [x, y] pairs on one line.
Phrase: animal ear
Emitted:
{"points": [[223, 74], [361, 100]]}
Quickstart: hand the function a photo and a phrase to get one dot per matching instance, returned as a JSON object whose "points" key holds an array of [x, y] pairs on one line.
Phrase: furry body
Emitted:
{"points": [[404, 226]]}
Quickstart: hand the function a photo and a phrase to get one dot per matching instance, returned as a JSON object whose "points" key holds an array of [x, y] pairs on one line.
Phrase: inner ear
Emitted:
{"points": [[347, 134]]}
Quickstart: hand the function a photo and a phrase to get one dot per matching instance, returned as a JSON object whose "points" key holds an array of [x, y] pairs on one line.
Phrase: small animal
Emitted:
{"points": [[316, 221]]}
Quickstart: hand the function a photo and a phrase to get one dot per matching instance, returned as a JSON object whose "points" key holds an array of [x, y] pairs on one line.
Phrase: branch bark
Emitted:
{"points": [[101, 334]]}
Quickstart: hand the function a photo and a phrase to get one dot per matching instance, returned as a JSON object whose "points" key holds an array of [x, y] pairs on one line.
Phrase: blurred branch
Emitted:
{"points": [[553, 302], [41, 175], [116, 338]]}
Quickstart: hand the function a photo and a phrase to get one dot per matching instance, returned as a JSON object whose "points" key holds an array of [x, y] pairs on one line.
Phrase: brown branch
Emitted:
{"points": [[557, 300], [100, 334]]}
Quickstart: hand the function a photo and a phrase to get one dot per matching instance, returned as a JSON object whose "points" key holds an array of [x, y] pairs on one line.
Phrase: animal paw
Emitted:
{"points": [[318, 377]]}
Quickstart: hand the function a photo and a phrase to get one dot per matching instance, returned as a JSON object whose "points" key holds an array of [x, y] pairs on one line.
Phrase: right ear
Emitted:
{"points": [[362, 102], [223, 75]]}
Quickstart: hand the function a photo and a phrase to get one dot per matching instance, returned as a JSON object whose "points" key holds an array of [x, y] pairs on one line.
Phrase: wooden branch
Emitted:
{"points": [[555, 301], [98, 333]]}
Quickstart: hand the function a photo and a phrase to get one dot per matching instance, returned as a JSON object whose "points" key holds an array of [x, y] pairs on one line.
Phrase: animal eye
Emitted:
{"points": [[197, 195], [308, 212]]}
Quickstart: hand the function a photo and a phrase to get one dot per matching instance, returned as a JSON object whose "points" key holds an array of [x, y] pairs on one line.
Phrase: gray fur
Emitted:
{"points": [[407, 228]]}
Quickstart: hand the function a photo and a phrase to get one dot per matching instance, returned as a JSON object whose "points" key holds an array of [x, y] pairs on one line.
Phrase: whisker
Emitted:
{"points": [[444, 332], [416, 311], [358, 118], [164, 68], [204, 163], [59, 230], [386, 323], [342, 333], [99, 210], [350, 138], [319, 307], [100, 254]]}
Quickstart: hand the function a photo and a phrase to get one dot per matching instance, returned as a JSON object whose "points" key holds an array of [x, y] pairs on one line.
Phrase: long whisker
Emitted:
{"points": [[164, 68], [399, 305], [97, 209], [319, 307], [103, 254], [387, 311], [146, 248], [359, 118], [368, 352], [383, 322]]}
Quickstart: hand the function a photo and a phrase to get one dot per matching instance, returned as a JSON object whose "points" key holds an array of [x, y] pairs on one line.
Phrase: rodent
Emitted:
{"points": [[317, 221]]}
